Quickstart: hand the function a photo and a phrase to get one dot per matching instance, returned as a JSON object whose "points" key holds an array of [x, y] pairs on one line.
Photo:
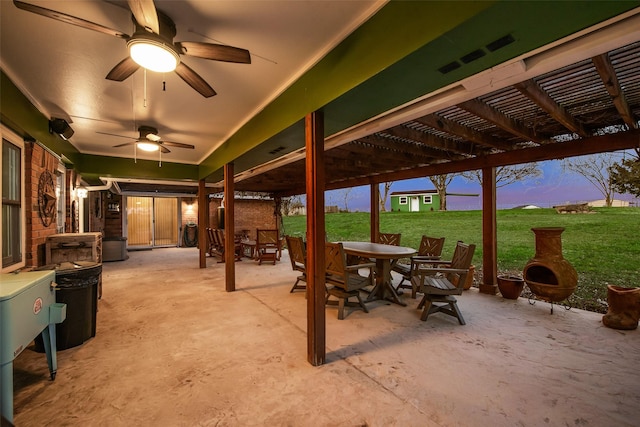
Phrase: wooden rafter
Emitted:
{"points": [[531, 90], [492, 115], [414, 149], [449, 126], [426, 138], [607, 73]]}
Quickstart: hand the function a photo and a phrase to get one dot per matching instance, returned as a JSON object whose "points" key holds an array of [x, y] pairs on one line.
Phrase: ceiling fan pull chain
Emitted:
{"points": [[145, 87], [160, 162], [164, 83]]}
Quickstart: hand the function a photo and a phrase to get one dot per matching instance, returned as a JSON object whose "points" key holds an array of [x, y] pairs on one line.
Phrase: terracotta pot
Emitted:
{"points": [[548, 274], [624, 307], [510, 286]]}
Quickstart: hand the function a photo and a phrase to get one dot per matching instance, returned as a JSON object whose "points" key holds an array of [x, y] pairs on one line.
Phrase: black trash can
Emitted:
{"points": [[77, 286]]}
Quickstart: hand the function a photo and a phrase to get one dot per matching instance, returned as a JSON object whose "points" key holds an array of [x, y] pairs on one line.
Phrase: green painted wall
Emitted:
{"points": [[422, 207]]}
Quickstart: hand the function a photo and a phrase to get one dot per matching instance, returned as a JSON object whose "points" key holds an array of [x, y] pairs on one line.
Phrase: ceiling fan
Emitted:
{"points": [[149, 140], [151, 45]]}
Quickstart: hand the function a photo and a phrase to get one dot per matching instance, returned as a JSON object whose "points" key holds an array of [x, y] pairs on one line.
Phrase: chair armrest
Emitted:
{"points": [[426, 258], [434, 270], [357, 267]]}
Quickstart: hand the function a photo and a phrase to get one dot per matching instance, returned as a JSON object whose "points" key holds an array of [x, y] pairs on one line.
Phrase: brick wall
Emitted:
{"points": [[37, 160], [250, 214]]}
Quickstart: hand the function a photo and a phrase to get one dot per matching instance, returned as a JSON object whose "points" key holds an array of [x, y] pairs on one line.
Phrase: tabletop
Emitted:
{"points": [[377, 250]]}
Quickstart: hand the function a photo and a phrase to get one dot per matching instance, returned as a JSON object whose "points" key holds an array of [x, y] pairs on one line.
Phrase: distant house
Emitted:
{"points": [[418, 200], [616, 203], [415, 201]]}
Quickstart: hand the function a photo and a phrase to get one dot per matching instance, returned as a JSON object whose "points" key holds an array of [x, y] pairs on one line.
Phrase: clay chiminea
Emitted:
{"points": [[548, 274]]}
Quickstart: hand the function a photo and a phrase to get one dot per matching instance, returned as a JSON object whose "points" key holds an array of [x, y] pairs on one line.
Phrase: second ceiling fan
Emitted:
{"points": [[149, 140], [153, 40]]}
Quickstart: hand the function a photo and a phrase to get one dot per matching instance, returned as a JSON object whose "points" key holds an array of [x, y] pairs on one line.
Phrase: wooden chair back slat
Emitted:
{"points": [[431, 246], [389, 238]]}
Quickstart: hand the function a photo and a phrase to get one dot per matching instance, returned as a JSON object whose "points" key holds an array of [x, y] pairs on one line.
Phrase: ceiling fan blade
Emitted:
{"points": [[113, 134], [216, 52], [73, 20], [124, 145], [165, 150], [145, 13], [123, 70], [177, 144], [194, 80]]}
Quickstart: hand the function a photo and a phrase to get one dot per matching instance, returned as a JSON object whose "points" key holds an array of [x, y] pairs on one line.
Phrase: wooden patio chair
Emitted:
{"points": [[219, 236], [298, 259], [267, 245], [430, 248], [211, 242], [440, 284], [389, 238], [343, 281], [215, 249]]}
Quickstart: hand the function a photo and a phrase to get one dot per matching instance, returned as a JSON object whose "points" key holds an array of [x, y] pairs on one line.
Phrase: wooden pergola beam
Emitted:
{"points": [[434, 141], [453, 128], [580, 147], [492, 115], [531, 90], [607, 73]]}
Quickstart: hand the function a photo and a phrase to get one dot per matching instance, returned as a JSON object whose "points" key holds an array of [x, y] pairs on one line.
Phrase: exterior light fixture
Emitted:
{"points": [[82, 193], [151, 52]]}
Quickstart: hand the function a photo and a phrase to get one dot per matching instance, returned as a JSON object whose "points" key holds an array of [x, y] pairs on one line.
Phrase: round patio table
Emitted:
{"points": [[385, 256]]}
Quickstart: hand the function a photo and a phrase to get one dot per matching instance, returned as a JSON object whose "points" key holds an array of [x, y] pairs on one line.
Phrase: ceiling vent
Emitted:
{"points": [[478, 53]]}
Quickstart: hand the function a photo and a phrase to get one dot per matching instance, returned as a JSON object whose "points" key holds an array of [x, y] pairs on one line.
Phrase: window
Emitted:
{"points": [[426, 200], [403, 200], [12, 196], [60, 199]]}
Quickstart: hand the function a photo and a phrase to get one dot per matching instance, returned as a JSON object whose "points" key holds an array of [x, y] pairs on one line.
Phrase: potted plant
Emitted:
{"points": [[510, 286]]}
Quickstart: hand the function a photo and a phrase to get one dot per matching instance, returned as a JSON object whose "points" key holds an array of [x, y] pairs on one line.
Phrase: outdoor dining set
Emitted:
{"points": [[355, 267]]}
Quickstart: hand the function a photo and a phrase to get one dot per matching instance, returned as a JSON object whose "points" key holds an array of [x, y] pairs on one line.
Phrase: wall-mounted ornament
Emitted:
{"points": [[47, 198]]}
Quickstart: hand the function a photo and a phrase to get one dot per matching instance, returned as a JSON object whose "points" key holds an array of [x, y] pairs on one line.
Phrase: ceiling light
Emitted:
{"points": [[153, 54], [148, 146]]}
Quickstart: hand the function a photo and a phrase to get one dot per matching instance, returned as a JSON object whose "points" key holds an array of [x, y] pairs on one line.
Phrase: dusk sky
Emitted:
{"points": [[555, 187]]}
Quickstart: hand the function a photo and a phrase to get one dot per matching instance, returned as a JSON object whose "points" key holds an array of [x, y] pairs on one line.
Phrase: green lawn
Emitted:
{"points": [[603, 246]]}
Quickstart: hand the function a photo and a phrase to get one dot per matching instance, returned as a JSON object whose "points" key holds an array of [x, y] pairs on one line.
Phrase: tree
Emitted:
{"points": [[384, 195], [345, 197], [506, 175], [595, 168], [441, 182], [625, 176]]}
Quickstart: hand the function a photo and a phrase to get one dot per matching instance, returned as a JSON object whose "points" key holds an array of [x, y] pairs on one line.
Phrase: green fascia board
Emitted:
{"points": [[92, 167], [532, 24], [415, 75], [374, 46], [20, 115]]}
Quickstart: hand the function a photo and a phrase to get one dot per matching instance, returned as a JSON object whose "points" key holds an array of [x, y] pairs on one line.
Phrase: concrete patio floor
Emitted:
{"points": [[172, 348]]}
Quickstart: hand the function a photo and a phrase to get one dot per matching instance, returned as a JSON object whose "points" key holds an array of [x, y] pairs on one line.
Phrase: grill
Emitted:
{"points": [[27, 308], [73, 247]]}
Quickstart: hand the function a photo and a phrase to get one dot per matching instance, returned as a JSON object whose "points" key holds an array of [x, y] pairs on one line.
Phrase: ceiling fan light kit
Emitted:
{"points": [[153, 54], [152, 46], [148, 146]]}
